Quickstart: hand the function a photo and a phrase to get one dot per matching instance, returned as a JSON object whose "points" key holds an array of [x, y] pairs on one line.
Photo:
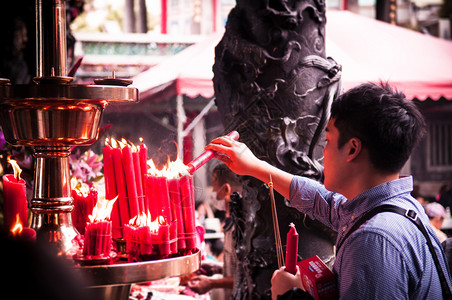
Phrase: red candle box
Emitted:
{"points": [[317, 279]]}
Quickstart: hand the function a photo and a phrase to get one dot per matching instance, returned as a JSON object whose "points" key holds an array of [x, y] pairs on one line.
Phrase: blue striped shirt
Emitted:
{"points": [[387, 257]]}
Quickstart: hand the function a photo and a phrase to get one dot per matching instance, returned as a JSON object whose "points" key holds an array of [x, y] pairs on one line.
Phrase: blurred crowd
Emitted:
{"points": [[438, 211]]}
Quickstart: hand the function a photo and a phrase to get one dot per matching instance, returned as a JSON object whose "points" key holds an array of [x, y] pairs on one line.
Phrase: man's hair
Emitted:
{"points": [[225, 175], [388, 125]]}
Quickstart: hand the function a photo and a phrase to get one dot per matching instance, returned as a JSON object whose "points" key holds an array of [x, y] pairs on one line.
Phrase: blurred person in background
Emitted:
{"points": [[436, 213], [224, 184]]}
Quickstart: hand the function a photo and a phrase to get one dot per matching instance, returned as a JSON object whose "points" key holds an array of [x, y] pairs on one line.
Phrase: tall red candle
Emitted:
{"points": [[129, 173], [188, 209], [120, 185], [84, 200], [138, 179], [109, 173], [158, 197], [15, 201], [292, 250], [111, 190], [143, 154], [176, 206]]}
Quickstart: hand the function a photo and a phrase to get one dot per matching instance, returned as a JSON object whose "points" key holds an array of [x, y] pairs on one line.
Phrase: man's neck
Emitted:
{"points": [[366, 181]]}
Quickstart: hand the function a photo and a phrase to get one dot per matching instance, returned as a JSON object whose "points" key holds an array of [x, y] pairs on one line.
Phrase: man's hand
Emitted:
{"points": [[236, 155], [200, 284], [282, 281], [239, 158]]}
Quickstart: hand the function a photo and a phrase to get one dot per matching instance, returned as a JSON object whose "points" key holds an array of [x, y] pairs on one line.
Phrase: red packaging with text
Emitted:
{"points": [[317, 279]]}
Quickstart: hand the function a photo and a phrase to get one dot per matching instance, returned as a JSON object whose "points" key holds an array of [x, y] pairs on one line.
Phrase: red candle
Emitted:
{"points": [[97, 239], [15, 200], [129, 173], [207, 155], [143, 154], [173, 237], [120, 185], [111, 190], [163, 239], [292, 250], [22, 233], [176, 205], [138, 179], [145, 241], [84, 200], [158, 197], [188, 210], [98, 231], [109, 173]]}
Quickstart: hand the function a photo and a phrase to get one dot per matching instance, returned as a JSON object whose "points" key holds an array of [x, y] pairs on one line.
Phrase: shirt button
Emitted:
{"points": [[344, 228], [353, 217]]}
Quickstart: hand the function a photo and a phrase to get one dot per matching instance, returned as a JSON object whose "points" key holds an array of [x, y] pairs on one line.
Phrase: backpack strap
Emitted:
{"points": [[413, 217]]}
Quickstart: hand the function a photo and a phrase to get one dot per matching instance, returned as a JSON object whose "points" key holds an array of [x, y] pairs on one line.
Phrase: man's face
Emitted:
{"points": [[333, 159]]}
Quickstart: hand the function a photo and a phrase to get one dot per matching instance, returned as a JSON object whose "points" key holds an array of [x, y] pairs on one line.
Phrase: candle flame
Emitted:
{"points": [[16, 168], [172, 169], [114, 143], [144, 219], [17, 227], [102, 210]]}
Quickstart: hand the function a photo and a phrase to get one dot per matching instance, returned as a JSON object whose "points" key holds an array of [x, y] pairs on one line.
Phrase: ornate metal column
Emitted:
{"points": [[275, 86]]}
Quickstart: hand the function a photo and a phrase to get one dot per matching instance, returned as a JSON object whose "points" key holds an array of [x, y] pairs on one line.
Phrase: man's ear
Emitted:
{"points": [[228, 188], [354, 149]]}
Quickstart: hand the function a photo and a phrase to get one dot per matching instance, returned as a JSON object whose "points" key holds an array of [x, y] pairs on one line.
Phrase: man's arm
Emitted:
{"points": [[239, 158], [202, 284]]}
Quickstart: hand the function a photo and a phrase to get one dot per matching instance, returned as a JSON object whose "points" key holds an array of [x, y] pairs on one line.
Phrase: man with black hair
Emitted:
{"points": [[370, 136]]}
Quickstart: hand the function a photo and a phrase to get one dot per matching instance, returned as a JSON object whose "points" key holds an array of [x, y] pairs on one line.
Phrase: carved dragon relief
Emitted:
{"points": [[275, 86]]}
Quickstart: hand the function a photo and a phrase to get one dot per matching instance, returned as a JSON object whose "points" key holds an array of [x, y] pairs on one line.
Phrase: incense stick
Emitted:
{"points": [[279, 251]]}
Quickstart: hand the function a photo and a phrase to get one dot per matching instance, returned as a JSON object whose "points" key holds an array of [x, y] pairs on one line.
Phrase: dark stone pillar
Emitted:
{"points": [[275, 86]]}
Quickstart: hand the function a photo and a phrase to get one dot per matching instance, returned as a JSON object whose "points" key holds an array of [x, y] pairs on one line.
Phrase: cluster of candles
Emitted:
{"points": [[152, 209], [97, 233], [154, 212], [125, 168]]}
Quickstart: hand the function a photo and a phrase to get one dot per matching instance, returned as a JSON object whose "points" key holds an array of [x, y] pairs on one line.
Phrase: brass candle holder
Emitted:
{"points": [[52, 115]]}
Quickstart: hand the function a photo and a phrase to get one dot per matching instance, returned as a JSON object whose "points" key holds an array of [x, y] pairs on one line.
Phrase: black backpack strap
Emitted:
{"points": [[413, 217]]}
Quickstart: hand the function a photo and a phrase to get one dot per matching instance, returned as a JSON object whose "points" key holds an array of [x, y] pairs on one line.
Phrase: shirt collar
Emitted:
{"points": [[375, 196]]}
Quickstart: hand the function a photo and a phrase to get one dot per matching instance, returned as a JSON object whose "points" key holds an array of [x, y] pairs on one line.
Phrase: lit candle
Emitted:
{"points": [[130, 180], [292, 250], [14, 197], [158, 197], [138, 178], [22, 233], [146, 239], [176, 205], [84, 200], [120, 184], [143, 154], [110, 188], [98, 231], [188, 210]]}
